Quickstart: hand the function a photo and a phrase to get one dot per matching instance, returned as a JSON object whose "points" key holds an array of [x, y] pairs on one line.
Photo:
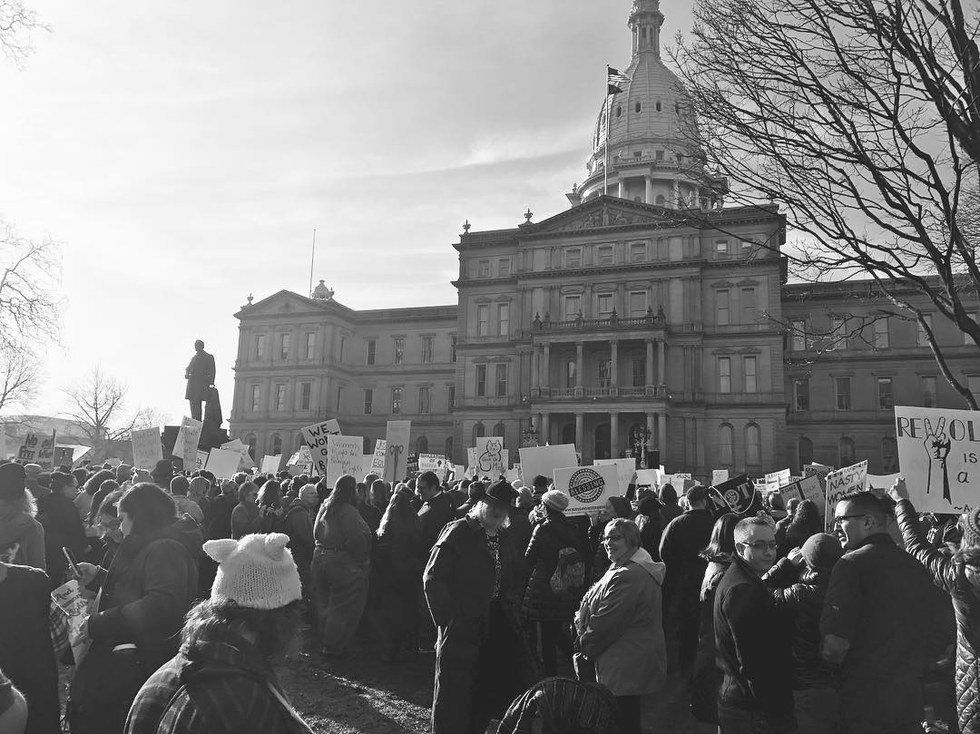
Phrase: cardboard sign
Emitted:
{"points": [[271, 464], [625, 469], [396, 450], [819, 470], [377, 465], [147, 449], [841, 482], [807, 488], [223, 463], [939, 454], [188, 438], [28, 450], [344, 457], [718, 476], [543, 460], [316, 438], [68, 597], [738, 494], [489, 456], [588, 487]]}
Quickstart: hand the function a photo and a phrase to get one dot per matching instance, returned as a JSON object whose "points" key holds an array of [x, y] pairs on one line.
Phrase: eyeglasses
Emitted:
{"points": [[613, 538], [761, 545], [840, 520]]}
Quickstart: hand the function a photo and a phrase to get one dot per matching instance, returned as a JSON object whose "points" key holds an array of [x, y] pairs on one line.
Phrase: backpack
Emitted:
{"points": [[568, 579]]}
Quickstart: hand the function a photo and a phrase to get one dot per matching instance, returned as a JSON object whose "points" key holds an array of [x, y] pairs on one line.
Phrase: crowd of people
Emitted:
{"points": [[537, 620]]}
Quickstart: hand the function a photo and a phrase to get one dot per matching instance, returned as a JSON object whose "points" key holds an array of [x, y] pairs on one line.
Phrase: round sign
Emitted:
{"points": [[732, 497], [586, 485]]}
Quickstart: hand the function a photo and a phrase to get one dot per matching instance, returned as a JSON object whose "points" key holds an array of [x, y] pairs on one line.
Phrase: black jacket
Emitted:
{"points": [[680, 548], [547, 539], [433, 516], [752, 654], [62, 528]]}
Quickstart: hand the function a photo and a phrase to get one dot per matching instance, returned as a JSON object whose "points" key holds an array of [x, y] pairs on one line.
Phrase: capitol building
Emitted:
{"points": [[648, 311]]}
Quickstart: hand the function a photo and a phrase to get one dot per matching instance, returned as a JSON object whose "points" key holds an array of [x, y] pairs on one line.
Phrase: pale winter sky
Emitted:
{"points": [[184, 151]]}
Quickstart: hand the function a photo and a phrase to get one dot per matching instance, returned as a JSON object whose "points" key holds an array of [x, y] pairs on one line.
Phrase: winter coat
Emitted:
{"points": [[151, 584], [200, 375], [706, 678], [220, 683], [620, 628], [961, 580], [17, 526], [800, 593], [344, 530], [752, 654], [186, 506], [62, 528], [547, 540], [680, 548], [520, 528], [398, 562], [219, 524], [245, 520], [298, 525], [371, 515], [434, 514], [651, 531]]}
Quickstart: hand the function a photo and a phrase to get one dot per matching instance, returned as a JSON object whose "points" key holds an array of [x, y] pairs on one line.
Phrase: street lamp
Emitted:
{"points": [[529, 436], [639, 435]]}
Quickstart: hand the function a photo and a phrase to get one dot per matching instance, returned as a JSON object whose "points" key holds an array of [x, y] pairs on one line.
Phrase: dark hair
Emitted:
{"points": [[272, 629], [476, 490], [668, 495], [179, 485], [400, 515], [149, 507], [865, 503], [108, 505], [427, 478], [59, 480], [109, 485], [540, 482], [244, 489], [697, 493], [81, 475], [344, 493], [722, 536], [270, 495], [94, 484], [806, 522], [379, 493]]}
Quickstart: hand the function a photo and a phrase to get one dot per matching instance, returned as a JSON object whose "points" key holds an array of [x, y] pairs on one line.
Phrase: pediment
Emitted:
{"points": [[605, 211], [281, 303]]}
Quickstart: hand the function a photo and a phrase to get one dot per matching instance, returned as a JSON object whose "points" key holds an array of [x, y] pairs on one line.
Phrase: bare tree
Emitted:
{"points": [[29, 276], [98, 405], [20, 373], [17, 26], [861, 118]]}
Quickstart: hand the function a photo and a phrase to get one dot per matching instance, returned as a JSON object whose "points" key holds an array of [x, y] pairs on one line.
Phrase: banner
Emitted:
{"points": [[807, 488], [737, 495], [718, 476], [316, 437], [397, 436], [271, 464], [490, 459], [625, 469], [841, 482], [147, 449], [588, 487], [344, 457], [543, 460], [188, 438], [223, 463], [378, 459], [939, 455]]}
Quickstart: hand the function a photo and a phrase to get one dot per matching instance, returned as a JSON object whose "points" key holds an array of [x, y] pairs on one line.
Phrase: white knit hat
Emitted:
{"points": [[257, 571]]}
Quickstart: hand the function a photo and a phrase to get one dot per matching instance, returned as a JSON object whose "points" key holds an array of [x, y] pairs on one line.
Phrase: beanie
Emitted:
{"points": [[970, 522], [256, 571], [555, 500], [821, 551]]}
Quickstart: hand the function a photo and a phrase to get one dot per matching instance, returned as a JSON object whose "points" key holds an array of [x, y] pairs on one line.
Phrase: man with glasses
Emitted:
{"points": [[753, 648], [879, 622]]}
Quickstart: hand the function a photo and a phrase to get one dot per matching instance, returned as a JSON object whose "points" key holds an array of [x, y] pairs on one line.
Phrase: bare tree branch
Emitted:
{"points": [[17, 26], [29, 280], [98, 405], [20, 376]]}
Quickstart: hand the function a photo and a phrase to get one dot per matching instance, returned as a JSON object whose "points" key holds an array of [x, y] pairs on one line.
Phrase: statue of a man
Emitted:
{"points": [[200, 375]]}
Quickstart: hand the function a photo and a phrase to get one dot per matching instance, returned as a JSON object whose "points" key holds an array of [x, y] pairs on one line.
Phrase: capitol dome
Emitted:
{"points": [[650, 146]]}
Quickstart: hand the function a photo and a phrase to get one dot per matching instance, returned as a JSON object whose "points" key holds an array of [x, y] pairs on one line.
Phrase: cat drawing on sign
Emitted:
{"points": [[490, 458]]}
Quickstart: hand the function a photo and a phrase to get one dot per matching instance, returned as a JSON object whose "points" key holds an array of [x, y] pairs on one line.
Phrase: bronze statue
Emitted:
{"points": [[200, 375]]}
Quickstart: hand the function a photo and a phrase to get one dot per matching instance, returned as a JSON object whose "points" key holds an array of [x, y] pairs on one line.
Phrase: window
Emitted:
{"points": [[838, 333], [886, 400], [570, 372], [659, 106], [604, 255], [503, 267], [842, 389], [481, 380], [256, 401], [478, 430], [259, 346], [452, 347], [305, 394], [619, 110], [889, 455], [748, 305], [280, 397], [483, 269], [661, 201], [451, 398], [573, 257], [482, 319], [368, 401], [724, 374], [638, 252], [372, 351], [801, 395], [343, 345], [722, 304], [604, 371], [845, 451], [881, 333], [659, 156], [750, 371], [284, 346], [637, 154], [424, 400], [637, 107], [426, 350], [639, 372], [573, 306], [500, 430], [311, 345], [921, 338], [747, 246], [799, 336], [753, 445], [928, 391], [604, 305], [276, 444], [725, 445], [396, 400], [399, 349], [804, 452], [638, 303], [503, 319], [501, 380], [721, 247]]}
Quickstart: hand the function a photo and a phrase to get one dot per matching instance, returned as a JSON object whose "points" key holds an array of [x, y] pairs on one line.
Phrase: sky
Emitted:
{"points": [[183, 152]]}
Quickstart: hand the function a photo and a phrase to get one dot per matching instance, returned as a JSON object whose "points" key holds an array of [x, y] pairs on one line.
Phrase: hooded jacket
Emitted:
{"points": [[620, 628], [17, 526]]}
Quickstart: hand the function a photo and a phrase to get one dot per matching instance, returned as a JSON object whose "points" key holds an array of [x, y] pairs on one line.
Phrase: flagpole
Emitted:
{"points": [[605, 168]]}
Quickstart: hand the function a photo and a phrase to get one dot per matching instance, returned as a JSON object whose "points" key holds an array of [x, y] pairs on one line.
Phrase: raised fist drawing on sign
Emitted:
{"points": [[937, 446]]}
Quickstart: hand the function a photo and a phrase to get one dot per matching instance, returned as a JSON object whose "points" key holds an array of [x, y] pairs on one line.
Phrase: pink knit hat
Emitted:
{"points": [[257, 571]]}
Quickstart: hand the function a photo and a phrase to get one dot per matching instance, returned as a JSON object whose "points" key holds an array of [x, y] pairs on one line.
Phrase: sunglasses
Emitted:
{"points": [[761, 545]]}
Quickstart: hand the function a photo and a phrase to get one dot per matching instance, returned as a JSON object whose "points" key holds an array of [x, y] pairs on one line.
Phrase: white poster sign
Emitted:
{"points": [[378, 459], [807, 488], [316, 438], [543, 460], [776, 479], [625, 469], [147, 449], [344, 457], [188, 437], [490, 454], [718, 476], [842, 482], [588, 487], [68, 597], [879, 483], [271, 464], [397, 437], [939, 455], [649, 477], [434, 463], [223, 463]]}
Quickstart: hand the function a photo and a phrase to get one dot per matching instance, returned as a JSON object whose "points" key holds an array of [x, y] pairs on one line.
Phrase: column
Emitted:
{"points": [[614, 364], [546, 367], [621, 189], [579, 351], [545, 435], [649, 189], [651, 427], [649, 367], [661, 359], [613, 435], [580, 432], [662, 434], [535, 369]]}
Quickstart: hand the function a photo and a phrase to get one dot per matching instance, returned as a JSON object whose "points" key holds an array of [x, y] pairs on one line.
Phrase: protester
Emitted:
{"points": [[520, 523], [783, 523], [271, 507], [84, 499], [222, 507], [144, 595], [341, 565], [13, 707], [399, 570], [878, 622], [298, 525], [753, 652], [222, 679], [556, 560], [246, 518], [197, 491], [798, 585], [650, 522], [32, 477], [683, 539], [107, 486], [806, 521], [959, 575], [18, 526], [669, 507], [183, 504], [562, 705], [436, 509], [614, 507], [162, 473], [62, 526], [474, 492], [369, 513], [619, 626], [480, 658]]}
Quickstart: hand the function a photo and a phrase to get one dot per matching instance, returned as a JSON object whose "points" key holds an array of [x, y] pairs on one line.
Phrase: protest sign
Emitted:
{"points": [[776, 479], [512, 475], [807, 488], [718, 476], [28, 449], [879, 483], [939, 455], [543, 460], [435, 463], [188, 438], [271, 464], [378, 459], [344, 457], [588, 487], [625, 469], [316, 438], [45, 452], [649, 477], [682, 475], [396, 450], [68, 597], [841, 482], [201, 461], [681, 483], [459, 471], [223, 463], [64, 455], [489, 456], [818, 470], [738, 494], [147, 449]]}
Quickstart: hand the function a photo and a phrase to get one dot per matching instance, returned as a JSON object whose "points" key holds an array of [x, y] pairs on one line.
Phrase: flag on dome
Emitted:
{"points": [[615, 80]]}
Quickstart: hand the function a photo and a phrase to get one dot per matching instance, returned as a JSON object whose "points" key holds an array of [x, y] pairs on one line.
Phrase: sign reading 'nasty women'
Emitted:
{"points": [[842, 482]]}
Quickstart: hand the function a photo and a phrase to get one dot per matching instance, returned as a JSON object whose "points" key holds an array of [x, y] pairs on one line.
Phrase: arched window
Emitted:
{"points": [[637, 106], [619, 111], [661, 201], [250, 442], [725, 441], [570, 368], [804, 452], [366, 446], [276, 444], [659, 106], [478, 430], [845, 451], [500, 430], [753, 445], [889, 455], [449, 449], [422, 445]]}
